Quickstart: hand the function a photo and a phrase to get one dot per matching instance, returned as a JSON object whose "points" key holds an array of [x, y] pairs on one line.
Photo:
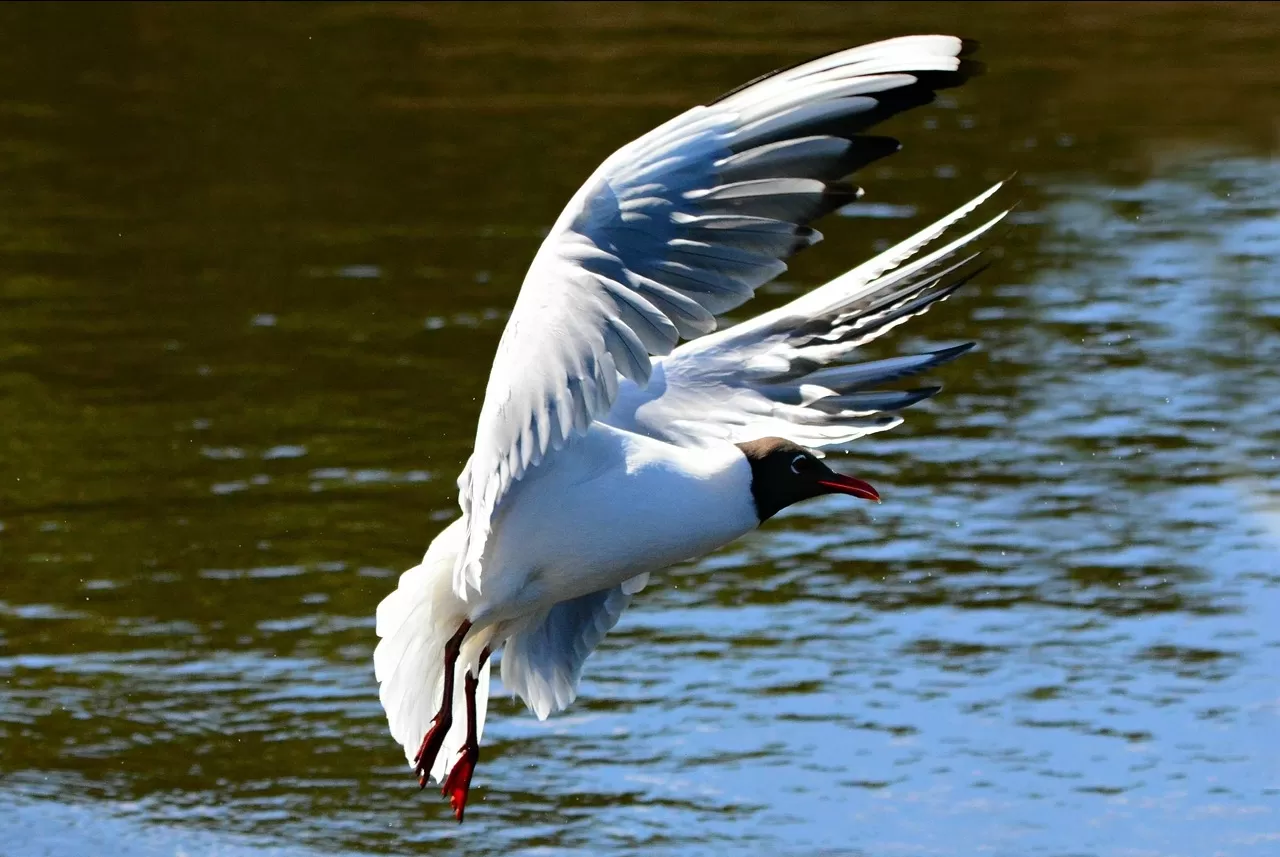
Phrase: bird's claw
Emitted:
{"points": [[431, 744], [458, 782]]}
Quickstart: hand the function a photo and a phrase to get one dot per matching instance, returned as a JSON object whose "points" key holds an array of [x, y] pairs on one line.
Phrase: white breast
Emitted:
{"points": [[612, 506]]}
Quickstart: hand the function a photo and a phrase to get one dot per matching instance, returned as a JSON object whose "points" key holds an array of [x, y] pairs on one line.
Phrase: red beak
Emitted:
{"points": [[841, 484]]}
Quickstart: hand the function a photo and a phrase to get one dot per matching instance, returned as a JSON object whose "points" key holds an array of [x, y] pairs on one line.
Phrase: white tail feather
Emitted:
{"points": [[414, 623]]}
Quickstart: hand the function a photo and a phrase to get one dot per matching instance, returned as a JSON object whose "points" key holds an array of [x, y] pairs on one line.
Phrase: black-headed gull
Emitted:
{"points": [[597, 461]]}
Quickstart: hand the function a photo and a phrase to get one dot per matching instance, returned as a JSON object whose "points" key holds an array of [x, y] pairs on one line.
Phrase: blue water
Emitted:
{"points": [[252, 267]]}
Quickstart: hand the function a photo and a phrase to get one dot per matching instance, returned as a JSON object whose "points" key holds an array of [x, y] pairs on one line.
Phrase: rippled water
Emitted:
{"points": [[253, 264]]}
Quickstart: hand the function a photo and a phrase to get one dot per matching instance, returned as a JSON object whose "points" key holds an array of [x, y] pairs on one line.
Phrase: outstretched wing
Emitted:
{"points": [[543, 663], [677, 226], [792, 372]]}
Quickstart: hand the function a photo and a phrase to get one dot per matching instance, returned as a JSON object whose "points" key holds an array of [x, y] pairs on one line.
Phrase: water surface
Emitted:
{"points": [[254, 261]]}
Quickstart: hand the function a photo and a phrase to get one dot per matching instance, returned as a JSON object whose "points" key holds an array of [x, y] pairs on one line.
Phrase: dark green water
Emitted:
{"points": [[254, 261]]}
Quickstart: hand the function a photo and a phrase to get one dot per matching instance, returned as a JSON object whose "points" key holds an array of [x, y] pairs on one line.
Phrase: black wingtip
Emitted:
{"points": [[835, 196], [873, 147], [805, 237], [969, 67], [946, 355], [919, 394], [863, 150]]}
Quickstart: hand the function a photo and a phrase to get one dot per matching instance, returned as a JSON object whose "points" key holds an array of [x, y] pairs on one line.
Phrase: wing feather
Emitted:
{"points": [[543, 663], [791, 372]]}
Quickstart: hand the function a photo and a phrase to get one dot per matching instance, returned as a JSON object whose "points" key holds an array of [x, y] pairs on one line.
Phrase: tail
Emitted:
{"points": [[791, 373], [414, 623]]}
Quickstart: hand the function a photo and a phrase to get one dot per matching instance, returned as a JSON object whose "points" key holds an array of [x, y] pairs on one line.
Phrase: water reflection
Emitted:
{"points": [[242, 342]]}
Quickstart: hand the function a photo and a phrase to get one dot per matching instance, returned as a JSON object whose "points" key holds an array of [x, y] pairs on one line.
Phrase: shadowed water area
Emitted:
{"points": [[254, 262]]}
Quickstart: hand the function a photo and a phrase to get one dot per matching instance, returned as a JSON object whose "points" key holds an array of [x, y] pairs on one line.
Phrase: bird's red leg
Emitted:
{"points": [[443, 721], [458, 782]]}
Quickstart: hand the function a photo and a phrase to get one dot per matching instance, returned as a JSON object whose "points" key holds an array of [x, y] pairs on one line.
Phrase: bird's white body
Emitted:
{"points": [[618, 506], [605, 453]]}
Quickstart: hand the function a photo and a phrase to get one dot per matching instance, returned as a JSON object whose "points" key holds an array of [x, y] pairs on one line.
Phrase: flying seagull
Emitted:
{"points": [[603, 451]]}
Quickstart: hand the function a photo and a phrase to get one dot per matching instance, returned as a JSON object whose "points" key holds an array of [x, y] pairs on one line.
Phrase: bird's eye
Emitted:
{"points": [[800, 463]]}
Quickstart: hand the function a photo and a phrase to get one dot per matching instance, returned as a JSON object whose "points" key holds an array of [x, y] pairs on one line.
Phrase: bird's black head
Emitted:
{"points": [[783, 473]]}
